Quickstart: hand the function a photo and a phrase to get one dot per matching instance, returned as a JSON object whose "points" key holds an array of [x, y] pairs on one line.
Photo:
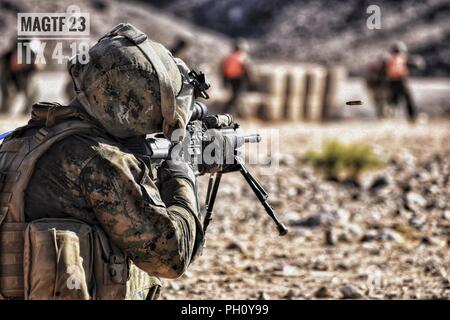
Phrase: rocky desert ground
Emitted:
{"points": [[388, 239]]}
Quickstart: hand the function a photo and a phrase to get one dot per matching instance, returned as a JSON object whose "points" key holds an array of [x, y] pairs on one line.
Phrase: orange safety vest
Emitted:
{"points": [[233, 66], [396, 67]]}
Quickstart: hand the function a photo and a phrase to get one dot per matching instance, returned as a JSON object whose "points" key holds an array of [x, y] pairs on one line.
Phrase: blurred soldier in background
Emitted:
{"points": [[16, 77], [235, 73], [397, 73], [387, 80]]}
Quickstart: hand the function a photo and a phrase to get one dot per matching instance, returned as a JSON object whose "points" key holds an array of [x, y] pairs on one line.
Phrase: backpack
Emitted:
{"points": [[51, 258]]}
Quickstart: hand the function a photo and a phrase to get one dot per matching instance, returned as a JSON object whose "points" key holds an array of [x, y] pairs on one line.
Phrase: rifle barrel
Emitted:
{"points": [[252, 138]]}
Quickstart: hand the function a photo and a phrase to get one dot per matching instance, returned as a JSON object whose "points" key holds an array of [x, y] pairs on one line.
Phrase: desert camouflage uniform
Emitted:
{"points": [[96, 180]]}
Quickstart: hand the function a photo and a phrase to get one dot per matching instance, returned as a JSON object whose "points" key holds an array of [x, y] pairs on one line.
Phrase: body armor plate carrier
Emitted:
{"points": [[18, 155]]}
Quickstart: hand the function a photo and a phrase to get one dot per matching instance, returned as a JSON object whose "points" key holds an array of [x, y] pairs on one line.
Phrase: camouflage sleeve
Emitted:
{"points": [[161, 240]]}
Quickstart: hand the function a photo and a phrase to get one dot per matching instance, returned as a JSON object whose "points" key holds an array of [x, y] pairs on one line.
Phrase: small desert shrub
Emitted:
{"points": [[341, 162]]}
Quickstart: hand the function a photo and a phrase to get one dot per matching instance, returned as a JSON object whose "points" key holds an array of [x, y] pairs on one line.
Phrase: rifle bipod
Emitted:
{"points": [[261, 194]]}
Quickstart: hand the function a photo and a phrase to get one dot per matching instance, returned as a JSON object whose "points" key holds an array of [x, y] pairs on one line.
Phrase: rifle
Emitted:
{"points": [[217, 132]]}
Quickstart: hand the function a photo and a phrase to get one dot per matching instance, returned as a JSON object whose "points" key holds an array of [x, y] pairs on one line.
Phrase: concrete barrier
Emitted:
{"points": [[271, 82], [315, 78], [251, 105], [295, 91], [294, 108], [333, 85]]}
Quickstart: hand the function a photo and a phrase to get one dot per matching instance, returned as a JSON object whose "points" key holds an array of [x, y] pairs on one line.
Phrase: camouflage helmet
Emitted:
{"points": [[132, 85]]}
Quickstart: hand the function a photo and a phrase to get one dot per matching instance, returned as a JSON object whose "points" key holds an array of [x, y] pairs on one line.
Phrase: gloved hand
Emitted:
{"points": [[175, 169]]}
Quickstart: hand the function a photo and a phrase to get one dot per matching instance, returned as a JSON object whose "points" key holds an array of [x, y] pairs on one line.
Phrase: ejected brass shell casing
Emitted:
{"points": [[354, 103]]}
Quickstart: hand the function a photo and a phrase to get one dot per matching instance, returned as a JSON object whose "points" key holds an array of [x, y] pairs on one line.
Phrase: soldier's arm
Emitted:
{"points": [[161, 239]]}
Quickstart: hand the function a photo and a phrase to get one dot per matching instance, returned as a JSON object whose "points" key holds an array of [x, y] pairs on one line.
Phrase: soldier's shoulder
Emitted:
{"points": [[81, 152], [114, 155], [77, 145], [68, 156], [75, 151]]}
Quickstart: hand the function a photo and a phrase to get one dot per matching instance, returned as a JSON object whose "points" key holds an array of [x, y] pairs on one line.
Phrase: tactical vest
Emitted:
{"points": [[233, 66], [51, 258], [396, 67]]}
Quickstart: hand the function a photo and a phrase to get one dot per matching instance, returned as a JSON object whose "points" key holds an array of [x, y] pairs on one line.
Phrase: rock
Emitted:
{"points": [[355, 195], [390, 235], [312, 221], [322, 292], [414, 201], [327, 218], [330, 237], [234, 246], [427, 240], [263, 296], [350, 292], [418, 221], [351, 232], [292, 192], [343, 266], [405, 214], [289, 295], [370, 235], [319, 266], [174, 286], [342, 216], [446, 214], [379, 183], [432, 267], [290, 271], [253, 268], [352, 184], [393, 295]]}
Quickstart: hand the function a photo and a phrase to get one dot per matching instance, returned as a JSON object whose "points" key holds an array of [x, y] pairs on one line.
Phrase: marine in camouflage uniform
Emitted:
{"points": [[96, 180], [130, 87]]}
